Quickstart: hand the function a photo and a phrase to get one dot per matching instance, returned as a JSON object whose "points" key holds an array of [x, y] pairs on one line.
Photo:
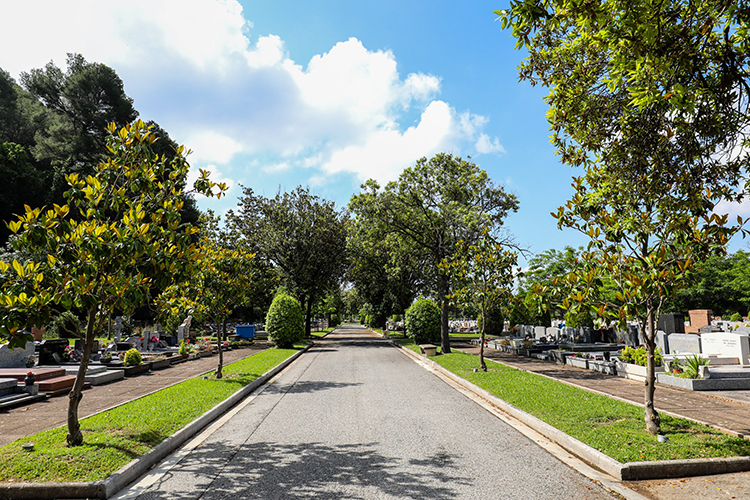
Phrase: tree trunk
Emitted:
{"points": [[445, 340], [222, 334], [653, 421], [308, 316], [482, 364], [75, 437]]}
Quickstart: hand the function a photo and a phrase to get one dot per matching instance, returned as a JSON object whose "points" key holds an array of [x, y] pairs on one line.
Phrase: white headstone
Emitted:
{"points": [[727, 344], [552, 333], [539, 332]]}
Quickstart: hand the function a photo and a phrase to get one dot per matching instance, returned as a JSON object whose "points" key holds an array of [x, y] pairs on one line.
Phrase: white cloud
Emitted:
{"points": [[195, 68], [486, 145], [211, 146]]}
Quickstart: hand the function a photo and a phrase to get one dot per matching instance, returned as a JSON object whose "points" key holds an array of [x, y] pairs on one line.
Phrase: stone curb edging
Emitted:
{"points": [[133, 470], [630, 471]]}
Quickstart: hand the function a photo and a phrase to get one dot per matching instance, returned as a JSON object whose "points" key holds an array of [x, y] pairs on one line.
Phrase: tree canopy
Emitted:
{"points": [[302, 235], [125, 237], [651, 99], [432, 206]]}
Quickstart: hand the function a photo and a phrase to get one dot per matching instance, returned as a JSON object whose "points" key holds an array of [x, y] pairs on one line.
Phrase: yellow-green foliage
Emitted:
{"points": [[133, 358]]}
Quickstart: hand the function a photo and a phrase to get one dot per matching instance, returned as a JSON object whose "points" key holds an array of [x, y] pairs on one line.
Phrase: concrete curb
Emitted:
{"points": [[631, 471], [133, 470]]}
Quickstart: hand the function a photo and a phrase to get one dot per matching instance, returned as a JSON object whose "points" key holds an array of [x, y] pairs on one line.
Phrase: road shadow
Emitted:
{"points": [[313, 470], [307, 386]]}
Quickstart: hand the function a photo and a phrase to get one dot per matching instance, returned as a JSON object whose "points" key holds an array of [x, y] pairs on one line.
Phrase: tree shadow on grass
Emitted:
{"points": [[313, 470]]}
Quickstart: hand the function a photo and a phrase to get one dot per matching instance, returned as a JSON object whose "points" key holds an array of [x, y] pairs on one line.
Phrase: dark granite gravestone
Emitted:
{"points": [[79, 346], [629, 337], [671, 323], [50, 351]]}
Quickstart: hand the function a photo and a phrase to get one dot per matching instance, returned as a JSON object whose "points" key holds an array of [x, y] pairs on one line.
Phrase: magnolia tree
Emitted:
{"points": [[119, 235], [651, 100], [483, 277], [222, 282]]}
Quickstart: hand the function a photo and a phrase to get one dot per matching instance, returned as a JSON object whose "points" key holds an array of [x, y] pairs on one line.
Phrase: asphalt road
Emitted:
{"points": [[354, 418]]}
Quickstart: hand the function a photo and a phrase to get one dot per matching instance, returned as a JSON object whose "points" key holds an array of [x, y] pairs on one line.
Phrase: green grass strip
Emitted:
{"points": [[321, 333], [114, 438], [614, 427]]}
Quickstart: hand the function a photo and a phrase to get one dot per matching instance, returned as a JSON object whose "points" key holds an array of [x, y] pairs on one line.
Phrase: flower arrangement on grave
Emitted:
{"points": [[204, 344], [132, 358], [183, 351], [29, 361], [637, 356]]}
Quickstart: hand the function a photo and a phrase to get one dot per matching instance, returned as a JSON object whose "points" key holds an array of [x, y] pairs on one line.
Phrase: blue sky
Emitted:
{"points": [[324, 94]]}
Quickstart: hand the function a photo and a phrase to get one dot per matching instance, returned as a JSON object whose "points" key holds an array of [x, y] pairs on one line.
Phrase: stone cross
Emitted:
{"points": [[118, 328]]}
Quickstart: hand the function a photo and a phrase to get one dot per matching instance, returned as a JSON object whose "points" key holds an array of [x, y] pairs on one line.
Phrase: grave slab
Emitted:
{"points": [[684, 343], [15, 358], [727, 344]]}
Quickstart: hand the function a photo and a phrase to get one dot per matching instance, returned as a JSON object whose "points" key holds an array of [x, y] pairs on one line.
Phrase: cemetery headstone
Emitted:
{"points": [[118, 328], [584, 335], [568, 332], [727, 344], [684, 343], [662, 341], [50, 351], [145, 339], [539, 332], [699, 318], [671, 323], [630, 336], [15, 358], [552, 334]]}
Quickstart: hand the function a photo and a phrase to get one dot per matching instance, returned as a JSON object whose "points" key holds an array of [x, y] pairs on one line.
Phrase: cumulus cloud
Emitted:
{"points": [[486, 145], [225, 92]]}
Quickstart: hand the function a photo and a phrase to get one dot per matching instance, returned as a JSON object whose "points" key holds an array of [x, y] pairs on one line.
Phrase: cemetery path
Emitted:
{"points": [[52, 412], [727, 409], [355, 418]]}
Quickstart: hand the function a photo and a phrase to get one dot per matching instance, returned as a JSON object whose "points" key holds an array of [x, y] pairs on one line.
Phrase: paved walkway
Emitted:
{"points": [[355, 418], [52, 412]]}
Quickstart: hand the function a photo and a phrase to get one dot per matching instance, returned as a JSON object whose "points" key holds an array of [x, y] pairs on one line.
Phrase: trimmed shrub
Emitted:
{"points": [[423, 322], [132, 358], [735, 317], [335, 320], [495, 322], [285, 322]]}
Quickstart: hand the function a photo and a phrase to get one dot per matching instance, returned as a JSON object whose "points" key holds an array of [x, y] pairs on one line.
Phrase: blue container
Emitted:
{"points": [[246, 331]]}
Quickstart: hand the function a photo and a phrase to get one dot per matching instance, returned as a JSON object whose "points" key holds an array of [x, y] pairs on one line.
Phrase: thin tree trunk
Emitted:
{"points": [[222, 334], [482, 364], [653, 421], [308, 316], [75, 437], [445, 340]]}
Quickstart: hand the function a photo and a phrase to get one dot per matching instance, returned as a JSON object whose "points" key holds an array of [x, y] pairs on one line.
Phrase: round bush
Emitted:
{"points": [[495, 322], [335, 320], [132, 358], [735, 317], [285, 322], [423, 322]]}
